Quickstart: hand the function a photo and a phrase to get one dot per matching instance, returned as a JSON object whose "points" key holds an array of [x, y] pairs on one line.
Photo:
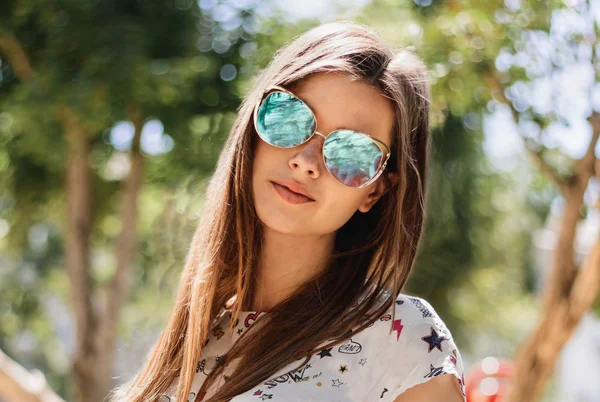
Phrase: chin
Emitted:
{"points": [[271, 219]]}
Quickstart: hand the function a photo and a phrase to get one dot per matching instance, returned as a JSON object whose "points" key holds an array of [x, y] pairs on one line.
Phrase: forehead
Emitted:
{"points": [[340, 102]]}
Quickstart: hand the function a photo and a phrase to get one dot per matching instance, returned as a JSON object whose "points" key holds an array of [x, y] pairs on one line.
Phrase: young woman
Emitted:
{"points": [[292, 286]]}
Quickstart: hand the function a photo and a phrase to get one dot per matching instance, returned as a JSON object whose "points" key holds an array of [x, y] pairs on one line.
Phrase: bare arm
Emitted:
{"points": [[444, 387]]}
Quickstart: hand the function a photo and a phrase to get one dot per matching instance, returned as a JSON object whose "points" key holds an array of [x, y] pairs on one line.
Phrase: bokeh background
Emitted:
{"points": [[112, 117]]}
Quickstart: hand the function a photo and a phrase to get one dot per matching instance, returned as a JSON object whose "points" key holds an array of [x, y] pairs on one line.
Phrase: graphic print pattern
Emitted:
{"points": [[375, 364]]}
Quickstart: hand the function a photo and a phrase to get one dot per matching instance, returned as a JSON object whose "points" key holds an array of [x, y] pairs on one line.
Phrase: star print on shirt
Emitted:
{"points": [[218, 332], [434, 340], [337, 383], [239, 331], [325, 353], [343, 368], [362, 362]]}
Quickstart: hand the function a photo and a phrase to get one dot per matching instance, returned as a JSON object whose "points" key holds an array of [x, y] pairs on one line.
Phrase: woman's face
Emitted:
{"points": [[337, 102]]}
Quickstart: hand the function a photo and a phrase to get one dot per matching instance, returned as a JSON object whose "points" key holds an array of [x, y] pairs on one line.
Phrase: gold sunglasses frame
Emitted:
{"points": [[386, 150]]}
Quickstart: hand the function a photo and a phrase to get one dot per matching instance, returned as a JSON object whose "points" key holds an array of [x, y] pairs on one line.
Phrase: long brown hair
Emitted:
{"points": [[373, 250]]}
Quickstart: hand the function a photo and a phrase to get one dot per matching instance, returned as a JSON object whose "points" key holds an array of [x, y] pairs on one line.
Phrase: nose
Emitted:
{"points": [[309, 159]]}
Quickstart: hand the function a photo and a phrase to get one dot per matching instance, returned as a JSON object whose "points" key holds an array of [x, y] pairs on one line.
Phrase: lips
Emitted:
{"points": [[290, 196], [296, 188]]}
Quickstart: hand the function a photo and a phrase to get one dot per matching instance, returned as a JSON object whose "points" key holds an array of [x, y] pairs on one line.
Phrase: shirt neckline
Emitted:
{"points": [[246, 312]]}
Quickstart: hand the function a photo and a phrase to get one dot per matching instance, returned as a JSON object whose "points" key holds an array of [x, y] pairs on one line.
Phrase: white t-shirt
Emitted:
{"points": [[373, 365]]}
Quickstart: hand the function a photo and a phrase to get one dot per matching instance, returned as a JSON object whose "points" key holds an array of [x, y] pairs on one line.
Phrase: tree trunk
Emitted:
{"points": [[125, 245], [97, 328], [90, 385], [568, 293], [96, 319], [537, 356]]}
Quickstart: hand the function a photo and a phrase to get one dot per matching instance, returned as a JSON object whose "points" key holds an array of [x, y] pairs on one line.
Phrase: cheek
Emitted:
{"points": [[341, 206], [257, 152], [258, 166], [263, 161], [347, 198], [266, 157]]}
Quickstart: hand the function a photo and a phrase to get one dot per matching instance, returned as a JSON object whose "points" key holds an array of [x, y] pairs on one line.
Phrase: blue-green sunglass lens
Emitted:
{"points": [[351, 157], [284, 120]]}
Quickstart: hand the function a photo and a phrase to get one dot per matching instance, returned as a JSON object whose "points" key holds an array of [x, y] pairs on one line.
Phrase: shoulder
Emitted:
{"points": [[419, 347], [439, 388], [415, 311]]}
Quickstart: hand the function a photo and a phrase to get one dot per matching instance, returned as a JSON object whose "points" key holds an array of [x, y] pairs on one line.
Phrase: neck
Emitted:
{"points": [[287, 262]]}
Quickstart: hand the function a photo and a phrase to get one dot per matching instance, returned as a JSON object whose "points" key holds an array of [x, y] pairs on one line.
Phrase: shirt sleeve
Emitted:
{"points": [[420, 348]]}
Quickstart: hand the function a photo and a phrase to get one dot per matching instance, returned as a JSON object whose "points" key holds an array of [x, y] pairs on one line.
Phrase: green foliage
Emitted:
{"points": [[180, 64]]}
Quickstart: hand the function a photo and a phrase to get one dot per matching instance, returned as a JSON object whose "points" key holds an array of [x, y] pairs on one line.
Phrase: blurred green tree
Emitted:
{"points": [[89, 91], [489, 55], [509, 48]]}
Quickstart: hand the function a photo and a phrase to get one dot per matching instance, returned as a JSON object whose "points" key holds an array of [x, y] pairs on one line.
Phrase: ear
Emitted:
{"points": [[384, 184]]}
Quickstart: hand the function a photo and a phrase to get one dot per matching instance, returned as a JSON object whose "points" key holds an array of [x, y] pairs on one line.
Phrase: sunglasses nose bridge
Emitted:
{"points": [[322, 135]]}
